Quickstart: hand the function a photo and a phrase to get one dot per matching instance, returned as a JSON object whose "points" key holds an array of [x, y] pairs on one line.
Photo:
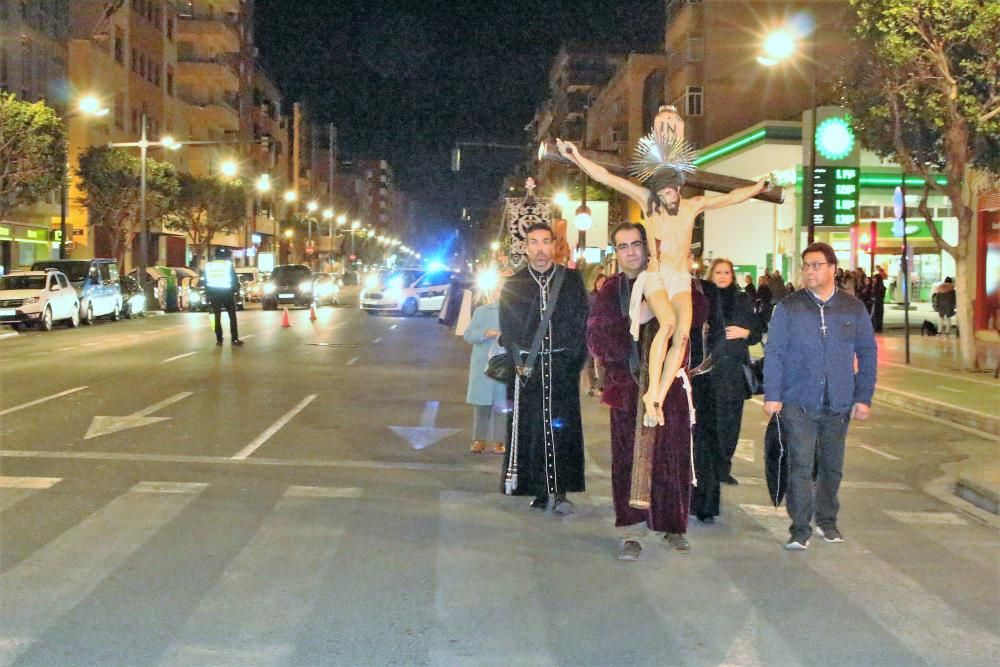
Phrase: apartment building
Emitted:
{"points": [[713, 75], [623, 111], [33, 67]]}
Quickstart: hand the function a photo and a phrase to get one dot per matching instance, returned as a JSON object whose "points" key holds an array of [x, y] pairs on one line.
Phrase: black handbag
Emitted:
{"points": [[753, 377], [500, 367]]}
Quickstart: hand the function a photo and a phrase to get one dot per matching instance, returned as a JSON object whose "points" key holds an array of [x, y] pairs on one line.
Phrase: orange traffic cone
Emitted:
{"points": [[284, 319], [312, 312]]}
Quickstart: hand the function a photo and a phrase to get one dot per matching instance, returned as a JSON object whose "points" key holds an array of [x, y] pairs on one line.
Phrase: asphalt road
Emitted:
{"points": [[164, 501]]}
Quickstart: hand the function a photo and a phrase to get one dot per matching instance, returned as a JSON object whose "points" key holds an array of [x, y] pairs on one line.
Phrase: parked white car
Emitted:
{"points": [[38, 298]]}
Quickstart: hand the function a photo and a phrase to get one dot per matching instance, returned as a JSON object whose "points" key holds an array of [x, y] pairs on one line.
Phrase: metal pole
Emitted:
{"points": [[810, 175], [140, 274], [872, 230], [63, 194], [905, 269]]}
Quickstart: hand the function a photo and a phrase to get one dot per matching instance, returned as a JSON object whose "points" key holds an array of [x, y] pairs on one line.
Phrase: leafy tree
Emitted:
{"points": [[925, 92], [110, 180], [32, 151], [206, 206]]}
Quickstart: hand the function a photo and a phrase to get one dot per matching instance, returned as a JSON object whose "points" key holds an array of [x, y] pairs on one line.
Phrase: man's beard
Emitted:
{"points": [[671, 207]]}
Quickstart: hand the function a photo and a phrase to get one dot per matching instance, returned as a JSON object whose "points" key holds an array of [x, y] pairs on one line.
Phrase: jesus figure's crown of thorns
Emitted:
{"points": [[662, 159]]}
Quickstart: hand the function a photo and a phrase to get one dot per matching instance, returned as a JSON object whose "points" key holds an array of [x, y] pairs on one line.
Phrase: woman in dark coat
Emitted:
{"points": [[719, 404], [762, 304]]}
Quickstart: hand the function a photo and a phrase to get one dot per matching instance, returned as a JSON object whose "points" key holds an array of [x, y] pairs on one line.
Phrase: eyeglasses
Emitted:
{"points": [[813, 266], [634, 245]]}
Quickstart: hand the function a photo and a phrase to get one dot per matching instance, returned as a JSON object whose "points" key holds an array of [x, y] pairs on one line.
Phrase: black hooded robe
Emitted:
{"points": [[549, 428]]}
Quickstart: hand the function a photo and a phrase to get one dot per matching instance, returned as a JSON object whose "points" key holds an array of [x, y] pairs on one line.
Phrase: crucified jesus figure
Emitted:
{"points": [[666, 284]]}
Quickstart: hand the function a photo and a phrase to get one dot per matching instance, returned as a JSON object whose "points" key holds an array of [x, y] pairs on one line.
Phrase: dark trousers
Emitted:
{"points": [[229, 303], [815, 445]]}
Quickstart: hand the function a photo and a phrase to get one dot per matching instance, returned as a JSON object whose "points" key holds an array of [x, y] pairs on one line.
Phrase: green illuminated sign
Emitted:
{"points": [[5, 232], [835, 138], [835, 196]]}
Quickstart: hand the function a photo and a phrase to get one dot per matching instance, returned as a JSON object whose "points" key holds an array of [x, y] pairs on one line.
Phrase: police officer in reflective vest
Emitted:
{"points": [[221, 286]]}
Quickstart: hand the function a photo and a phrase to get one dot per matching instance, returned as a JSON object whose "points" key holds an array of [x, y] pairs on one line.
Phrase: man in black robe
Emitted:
{"points": [[545, 449]]}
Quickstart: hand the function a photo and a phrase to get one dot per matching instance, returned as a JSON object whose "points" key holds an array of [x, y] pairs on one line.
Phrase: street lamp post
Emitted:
{"points": [[779, 46]]}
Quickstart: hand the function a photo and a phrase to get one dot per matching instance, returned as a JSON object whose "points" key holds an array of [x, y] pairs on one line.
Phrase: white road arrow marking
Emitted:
{"points": [[425, 435], [105, 425]]}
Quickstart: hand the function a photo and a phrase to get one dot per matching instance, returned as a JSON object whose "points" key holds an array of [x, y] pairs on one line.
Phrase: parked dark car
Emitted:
{"points": [[133, 300], [290, 284], [200, 302]]}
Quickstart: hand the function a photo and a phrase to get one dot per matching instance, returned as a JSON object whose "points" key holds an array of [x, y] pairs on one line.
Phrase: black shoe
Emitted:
{"points": [[540, 502], [218, 342], [707, 520], [236, 341], [730, 481]]}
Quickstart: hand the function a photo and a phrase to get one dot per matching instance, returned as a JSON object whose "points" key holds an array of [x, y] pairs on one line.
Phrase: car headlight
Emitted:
{"points": [[268, 288], [32, 299], [305, 286]]}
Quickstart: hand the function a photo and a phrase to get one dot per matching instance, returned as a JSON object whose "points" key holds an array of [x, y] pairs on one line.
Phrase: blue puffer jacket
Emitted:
{"points": [[800, 361]]}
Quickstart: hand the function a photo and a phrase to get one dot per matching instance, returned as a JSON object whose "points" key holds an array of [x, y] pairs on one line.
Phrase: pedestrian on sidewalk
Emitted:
{"points": [[748, 287], [878, 298], [763, 304], [943, 300], [815, 337], [610, 341], [221, 287], [487, 396], [545, 448]]}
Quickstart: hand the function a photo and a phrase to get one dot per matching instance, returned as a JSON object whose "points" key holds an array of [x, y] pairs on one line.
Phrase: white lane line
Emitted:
{"points": [[353, 361], [162, 404], [273, 428], [98, 342], [377, 341], [323, 492], [950, 376], [927, 518], [179, 356], [247, 336], [28, 482], [170, 487], [93, 549], [393, 327], [957, 391], [880, 453], [41, 400], [65, 349], [950, 406]]}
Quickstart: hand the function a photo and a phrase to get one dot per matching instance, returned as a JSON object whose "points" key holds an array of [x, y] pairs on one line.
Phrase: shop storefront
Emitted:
{"points": [[22, 245]]}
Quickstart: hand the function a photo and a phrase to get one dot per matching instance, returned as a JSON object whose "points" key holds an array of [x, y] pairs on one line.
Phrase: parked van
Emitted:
{"points": [[96, 283]]}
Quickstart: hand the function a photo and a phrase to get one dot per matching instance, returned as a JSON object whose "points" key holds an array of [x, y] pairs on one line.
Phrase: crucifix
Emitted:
{"points": [[663, 163]]}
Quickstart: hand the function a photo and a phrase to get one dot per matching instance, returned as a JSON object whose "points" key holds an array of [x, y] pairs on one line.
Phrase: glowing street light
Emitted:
{"points": [[495, 246], [289, 233], [263, 183], [229, 169], [356, 225], [778, 46], [312, 206], [170, 143], [90, 105], [561, 199], [341, 219], [290, 196], [328, 214]]}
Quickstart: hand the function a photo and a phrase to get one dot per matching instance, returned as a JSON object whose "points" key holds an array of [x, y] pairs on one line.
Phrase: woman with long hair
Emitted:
{"points": [[719, 402]]}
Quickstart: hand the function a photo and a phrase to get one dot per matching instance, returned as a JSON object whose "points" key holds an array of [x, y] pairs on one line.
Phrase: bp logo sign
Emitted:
{"points": [[835, 138]]}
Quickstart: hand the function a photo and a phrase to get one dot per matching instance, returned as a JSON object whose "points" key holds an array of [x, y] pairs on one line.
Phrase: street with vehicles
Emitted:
{"points": [[327, 510]]}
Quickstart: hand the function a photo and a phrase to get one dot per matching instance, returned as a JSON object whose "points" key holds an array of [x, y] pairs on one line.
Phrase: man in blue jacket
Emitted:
{"points": [[814, 337]]}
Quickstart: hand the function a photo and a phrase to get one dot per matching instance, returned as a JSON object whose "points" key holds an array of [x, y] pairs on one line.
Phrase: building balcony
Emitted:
{"points": [[220, 33], [209, 72]]}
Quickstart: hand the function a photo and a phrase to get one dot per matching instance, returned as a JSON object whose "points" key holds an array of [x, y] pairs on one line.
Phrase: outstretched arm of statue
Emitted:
{"points": [[737, 196], [638, 193]]}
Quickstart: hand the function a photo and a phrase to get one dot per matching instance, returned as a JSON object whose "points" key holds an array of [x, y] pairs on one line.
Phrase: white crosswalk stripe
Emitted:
{"points": [[281, 568], [15, 489], [51, 582], [896, 601]]}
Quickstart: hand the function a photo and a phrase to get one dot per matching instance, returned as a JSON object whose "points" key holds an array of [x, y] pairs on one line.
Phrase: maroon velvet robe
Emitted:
{"points": [[609, 340]]}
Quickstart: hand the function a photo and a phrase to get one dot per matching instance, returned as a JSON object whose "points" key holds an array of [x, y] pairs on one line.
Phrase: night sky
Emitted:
{"points": [[406, 80]]}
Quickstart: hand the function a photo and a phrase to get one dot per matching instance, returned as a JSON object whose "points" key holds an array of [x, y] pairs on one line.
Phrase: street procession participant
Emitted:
{"points": [[610, 341], [488, 397], [221, 287], [662, 158], [815, 337], [545, 444]]}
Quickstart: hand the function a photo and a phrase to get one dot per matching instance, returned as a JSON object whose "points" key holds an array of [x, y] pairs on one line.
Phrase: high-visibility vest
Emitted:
{"points": [[219, 274]]}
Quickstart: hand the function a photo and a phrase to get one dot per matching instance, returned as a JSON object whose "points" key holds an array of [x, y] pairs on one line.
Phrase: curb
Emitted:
{"points": [[979, 494], [963, 416]]}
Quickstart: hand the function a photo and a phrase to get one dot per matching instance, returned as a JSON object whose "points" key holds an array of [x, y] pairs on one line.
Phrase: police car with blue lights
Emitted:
{"points": [[406, 291]]}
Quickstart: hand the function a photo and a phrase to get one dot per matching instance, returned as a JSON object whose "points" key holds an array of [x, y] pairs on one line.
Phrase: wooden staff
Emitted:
{"points": [[701, 180], [645, 438]]}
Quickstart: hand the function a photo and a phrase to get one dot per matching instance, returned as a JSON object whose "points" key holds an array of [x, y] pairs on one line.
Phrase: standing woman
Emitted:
{"points": [[742, 331], [487, 396], [763, 305], [749, 288]]}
